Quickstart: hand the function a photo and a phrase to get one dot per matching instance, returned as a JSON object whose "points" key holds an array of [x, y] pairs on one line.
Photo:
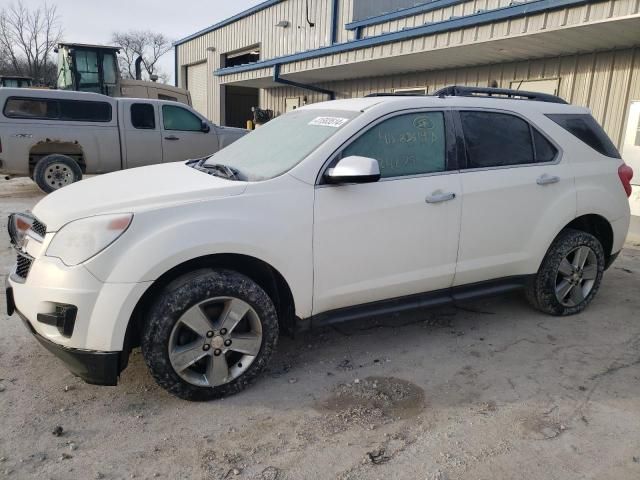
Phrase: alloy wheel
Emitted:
{"points": [[576, 276], [215, 341]]}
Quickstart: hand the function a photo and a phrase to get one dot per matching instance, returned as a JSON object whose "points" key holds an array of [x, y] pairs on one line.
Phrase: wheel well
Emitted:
{"points": [[269, 279], [597, 226], [50, 147]]}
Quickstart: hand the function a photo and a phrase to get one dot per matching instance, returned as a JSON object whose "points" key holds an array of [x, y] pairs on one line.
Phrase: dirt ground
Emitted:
{"points": [[485, 390]]}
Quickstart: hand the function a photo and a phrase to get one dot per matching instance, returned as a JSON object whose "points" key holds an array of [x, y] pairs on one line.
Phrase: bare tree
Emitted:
{"points": [[27, 39], [146, 44]]}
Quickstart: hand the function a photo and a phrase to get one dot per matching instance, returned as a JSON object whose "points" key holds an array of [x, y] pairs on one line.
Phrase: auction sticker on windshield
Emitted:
{"points": [[335, 122]]}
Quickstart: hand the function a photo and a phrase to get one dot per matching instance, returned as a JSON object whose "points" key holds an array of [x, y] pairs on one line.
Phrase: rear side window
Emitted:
{"points": [[499, 139], [496, 139], [143, 116], [585, 127], [51, 109]]}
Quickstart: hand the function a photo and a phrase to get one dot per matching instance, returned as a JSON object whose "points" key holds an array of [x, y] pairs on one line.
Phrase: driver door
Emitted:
{"points": [[397, 236], [183, 137]]}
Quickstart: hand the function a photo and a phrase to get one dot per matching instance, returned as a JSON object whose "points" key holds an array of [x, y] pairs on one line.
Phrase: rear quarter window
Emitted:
{"points": [[53, 109], [585, 128]]}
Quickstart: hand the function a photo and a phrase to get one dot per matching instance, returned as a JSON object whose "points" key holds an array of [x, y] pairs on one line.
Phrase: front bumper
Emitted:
{"points": [[96, 368]]}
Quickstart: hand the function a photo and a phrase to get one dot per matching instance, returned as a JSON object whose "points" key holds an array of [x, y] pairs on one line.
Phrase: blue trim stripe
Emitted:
{"points": [[224, 23], [405, 12], [472, 20]]}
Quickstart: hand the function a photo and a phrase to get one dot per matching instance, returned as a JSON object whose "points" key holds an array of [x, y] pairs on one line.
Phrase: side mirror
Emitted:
{"points": [[205, 128], [354, 169]]}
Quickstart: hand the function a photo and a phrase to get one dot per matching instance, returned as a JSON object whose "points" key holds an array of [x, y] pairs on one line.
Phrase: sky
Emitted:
{"points": [[93, 21]]}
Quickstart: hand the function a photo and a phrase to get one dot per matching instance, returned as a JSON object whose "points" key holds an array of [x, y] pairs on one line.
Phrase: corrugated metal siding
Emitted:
{"points": [[605, 82], [260, 29], [529, 25], [460, 10]]}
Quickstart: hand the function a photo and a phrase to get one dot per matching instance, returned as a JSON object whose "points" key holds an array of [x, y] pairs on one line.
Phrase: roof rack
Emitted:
{"points": [[486, 92]]}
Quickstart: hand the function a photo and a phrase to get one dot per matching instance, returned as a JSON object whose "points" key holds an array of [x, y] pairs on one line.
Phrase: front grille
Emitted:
{"points": [[23, 266], [39, 227]]}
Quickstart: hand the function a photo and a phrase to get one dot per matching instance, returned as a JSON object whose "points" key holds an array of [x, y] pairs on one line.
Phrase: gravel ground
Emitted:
{"points": [[485, 390]]}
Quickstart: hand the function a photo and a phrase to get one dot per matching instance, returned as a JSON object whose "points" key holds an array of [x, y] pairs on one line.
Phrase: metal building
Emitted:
{"points": [[284, 53]]}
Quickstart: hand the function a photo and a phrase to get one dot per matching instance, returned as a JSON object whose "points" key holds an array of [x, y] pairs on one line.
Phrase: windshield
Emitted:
{"points": [[278, 146]]}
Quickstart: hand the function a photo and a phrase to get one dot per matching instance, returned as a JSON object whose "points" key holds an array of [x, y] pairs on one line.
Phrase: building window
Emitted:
{"points": [[550, 86], [242, 57], [411, 91]]}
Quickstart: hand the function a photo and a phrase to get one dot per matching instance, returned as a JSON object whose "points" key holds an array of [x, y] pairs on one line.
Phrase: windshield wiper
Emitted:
{"points": [[216, 169]]}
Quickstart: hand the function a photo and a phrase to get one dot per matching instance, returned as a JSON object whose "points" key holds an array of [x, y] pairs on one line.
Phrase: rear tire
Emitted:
{"points": [[56, 171], [570, 274], [209, 334]]}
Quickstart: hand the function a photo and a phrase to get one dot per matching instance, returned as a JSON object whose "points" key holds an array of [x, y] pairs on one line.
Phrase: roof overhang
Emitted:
{"points": [[597, 36]]}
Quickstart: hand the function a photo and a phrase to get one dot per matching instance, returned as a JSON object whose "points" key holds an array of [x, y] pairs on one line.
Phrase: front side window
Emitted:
{"points": [[178, 118], [410, 144], [143, 116]]}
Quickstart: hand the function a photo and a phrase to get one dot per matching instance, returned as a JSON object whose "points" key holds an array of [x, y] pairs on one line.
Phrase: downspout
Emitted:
{"points": [[313, 88], [334, 21], [175, 68]]}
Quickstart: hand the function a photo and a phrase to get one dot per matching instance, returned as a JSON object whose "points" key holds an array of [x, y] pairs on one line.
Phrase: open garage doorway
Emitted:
{"points": [[238, 104]]}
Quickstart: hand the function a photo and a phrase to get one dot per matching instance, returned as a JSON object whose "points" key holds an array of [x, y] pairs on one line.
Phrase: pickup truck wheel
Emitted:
{"points": [[570, 274], [209, 334], [56, 171]]}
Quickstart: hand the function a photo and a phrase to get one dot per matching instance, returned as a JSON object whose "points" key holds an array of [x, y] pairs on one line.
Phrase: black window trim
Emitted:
{"points": [[131, 115], [57, 100], [164, 105], [451, 160], [463, 159]]}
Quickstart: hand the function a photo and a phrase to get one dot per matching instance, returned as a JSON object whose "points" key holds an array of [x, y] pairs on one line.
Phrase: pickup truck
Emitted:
{"points": [[56, 137]]}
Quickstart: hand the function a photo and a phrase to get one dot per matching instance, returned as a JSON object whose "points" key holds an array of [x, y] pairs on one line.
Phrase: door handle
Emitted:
{"points": [[440, 197], [172, 137], [546, 179]]}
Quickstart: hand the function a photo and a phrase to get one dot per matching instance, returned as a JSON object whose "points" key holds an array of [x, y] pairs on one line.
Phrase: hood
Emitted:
{"points": [[130, 191]]}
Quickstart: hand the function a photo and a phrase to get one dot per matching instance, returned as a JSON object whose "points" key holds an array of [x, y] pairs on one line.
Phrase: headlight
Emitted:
{"points": [[18, 226], [82, 239]]}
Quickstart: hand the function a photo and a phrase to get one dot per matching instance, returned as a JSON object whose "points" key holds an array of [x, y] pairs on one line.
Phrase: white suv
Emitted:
{"points": [[336, 211]]}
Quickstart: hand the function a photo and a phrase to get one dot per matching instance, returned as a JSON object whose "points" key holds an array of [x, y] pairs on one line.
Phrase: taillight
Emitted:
{"points": [[625, 172]]}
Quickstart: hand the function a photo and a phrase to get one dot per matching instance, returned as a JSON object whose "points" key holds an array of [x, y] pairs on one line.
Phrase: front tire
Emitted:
{"points": [[209, 334], [56, 171], [570, 274]]}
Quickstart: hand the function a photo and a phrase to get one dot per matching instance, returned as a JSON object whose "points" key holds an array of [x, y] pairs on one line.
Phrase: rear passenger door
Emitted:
{"points": [[142, 137], [517, 194], [183, 137]]}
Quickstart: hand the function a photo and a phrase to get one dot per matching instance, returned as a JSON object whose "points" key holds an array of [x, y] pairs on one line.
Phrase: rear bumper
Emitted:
{"points": [[96, 368]]}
